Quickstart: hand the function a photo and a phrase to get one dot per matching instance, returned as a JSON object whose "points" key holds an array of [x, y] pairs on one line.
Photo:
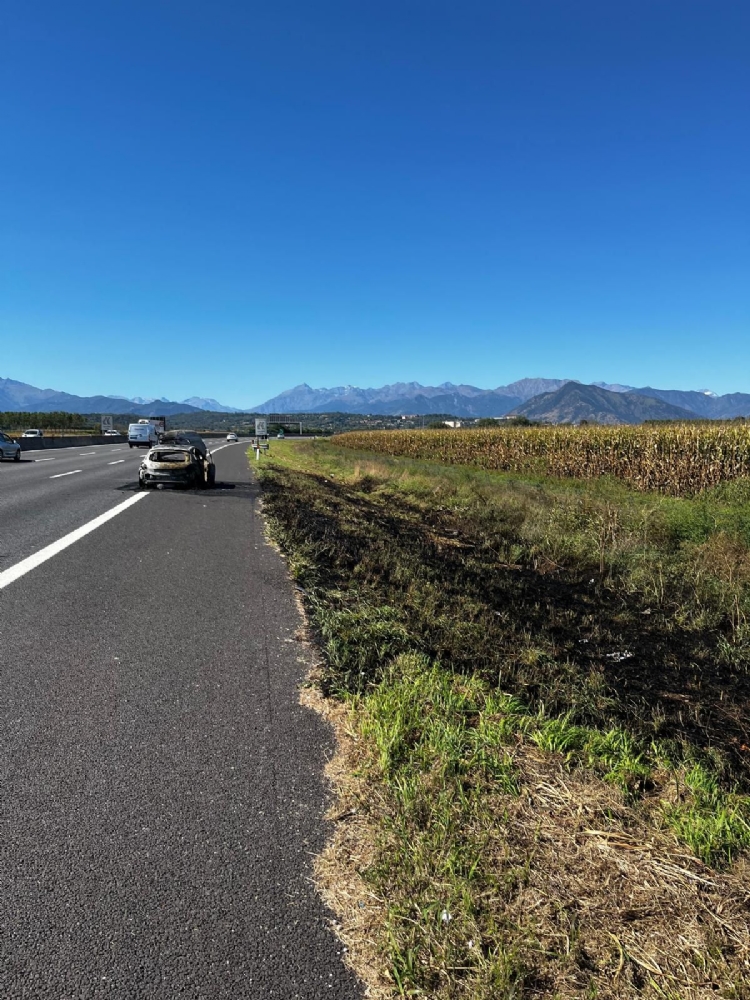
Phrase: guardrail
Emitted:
{"points": [[74, 441]]}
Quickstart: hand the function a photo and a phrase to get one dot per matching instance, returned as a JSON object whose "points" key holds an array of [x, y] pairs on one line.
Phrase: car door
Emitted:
{"points": [[5, 447]]}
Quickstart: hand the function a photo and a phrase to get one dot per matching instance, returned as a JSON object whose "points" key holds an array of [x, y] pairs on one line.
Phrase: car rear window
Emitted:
{"points": [[170, 456]]}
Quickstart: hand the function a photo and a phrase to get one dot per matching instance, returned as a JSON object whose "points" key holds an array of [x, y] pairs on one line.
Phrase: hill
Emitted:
{"points": [[574, 402]]}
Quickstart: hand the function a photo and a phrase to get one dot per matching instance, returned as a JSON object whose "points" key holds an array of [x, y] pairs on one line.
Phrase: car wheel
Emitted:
{"points": [[17, 456]]}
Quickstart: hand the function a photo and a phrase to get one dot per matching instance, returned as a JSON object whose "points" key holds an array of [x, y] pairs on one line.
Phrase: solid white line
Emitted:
{"points": [[44, 460], [31, 562], [83, 454], [117, 462], [61, 474]]}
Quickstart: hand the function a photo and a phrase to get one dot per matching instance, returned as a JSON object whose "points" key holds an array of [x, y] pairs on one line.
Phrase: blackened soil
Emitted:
{"points": [[568, 640]]}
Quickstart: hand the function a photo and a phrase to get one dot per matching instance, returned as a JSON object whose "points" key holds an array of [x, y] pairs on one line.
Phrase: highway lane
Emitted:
{"points": [[44, 499], [36, 509], [160, 784]]}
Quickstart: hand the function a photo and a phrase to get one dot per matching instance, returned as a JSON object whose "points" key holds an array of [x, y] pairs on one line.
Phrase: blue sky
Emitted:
{"points": [[228, 198]]}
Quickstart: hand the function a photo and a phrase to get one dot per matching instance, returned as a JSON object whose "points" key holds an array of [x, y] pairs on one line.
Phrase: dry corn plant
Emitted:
{"points": [[678, 459]]}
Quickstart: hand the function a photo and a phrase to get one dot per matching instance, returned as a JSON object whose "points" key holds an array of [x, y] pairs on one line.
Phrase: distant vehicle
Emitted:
{"points": [[183, 460], [160, 423], [32, 432], [231, 437], [112, 434], [142, 435], [280, 434], [9, 448]]}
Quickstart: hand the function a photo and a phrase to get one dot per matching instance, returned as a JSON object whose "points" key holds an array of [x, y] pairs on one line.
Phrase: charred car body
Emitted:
{"points": [[180, 459]]}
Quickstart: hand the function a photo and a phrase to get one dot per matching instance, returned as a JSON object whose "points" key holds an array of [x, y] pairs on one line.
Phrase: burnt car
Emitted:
{"points": [[180, 459]]}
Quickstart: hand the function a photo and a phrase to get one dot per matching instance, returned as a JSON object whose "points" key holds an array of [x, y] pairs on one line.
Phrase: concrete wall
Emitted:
{"points": [[39, 444]]}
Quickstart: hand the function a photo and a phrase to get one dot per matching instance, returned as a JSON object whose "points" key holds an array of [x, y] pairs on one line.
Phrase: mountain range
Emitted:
{"points": [[606, 400], [551, 400], [22, 397], [412, 397]]}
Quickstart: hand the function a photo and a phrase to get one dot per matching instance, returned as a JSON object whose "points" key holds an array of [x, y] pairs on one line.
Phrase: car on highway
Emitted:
{"points": [[32, 432], [180, 459], [9, 448], [112, 434], [231, 437]]}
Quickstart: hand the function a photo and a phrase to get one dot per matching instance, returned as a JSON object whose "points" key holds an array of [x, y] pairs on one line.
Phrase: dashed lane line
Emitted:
{"points": [[117, 462], [12, 574], [61, 474]]}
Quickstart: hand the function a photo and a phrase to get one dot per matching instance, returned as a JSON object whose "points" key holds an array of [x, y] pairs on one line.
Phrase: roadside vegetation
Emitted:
{"points": [[56, 422], [541, 687]]}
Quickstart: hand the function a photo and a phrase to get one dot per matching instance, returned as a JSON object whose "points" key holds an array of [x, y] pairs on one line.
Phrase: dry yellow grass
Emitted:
{"points": [[351, 850], [608, 905]]}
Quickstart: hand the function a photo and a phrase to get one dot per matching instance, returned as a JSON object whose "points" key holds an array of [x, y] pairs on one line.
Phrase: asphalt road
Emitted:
{"points": [[160, 786]]}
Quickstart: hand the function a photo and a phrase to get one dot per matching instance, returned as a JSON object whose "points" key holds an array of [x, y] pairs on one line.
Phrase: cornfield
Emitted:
{"points": [[678, 459]]}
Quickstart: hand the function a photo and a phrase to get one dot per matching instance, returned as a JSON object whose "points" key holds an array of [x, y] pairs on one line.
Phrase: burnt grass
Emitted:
{"points": [[384, 573]]}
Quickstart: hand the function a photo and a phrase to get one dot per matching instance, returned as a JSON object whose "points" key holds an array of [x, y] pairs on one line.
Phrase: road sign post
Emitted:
{"points": [[107, 422], [261, 427]]}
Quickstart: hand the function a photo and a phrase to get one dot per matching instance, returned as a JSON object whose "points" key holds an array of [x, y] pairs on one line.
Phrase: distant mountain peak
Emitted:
{"points": [[207, 403], [613, 387]]}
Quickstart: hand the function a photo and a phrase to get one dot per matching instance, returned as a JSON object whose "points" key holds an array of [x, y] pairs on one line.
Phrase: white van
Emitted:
{"points": [[142, 435]]}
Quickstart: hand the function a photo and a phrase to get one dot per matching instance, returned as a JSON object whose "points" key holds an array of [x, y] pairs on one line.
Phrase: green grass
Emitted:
{"points": [[715, 824]]}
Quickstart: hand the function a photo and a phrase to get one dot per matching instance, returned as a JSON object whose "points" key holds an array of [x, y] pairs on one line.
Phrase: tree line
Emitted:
{"points": [[12, 419]]}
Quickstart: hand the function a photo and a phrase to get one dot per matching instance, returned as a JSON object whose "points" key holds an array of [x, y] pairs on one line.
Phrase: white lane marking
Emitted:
{"points": [[117, 462], [61, 474], [83, 454], [31, 562], [43, 460]]}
